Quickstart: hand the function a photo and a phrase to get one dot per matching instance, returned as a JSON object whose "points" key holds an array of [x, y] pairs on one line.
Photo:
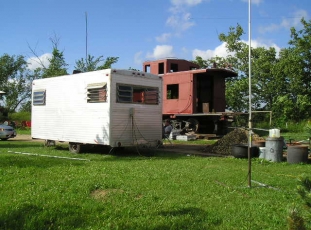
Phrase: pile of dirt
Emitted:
{"points": [[237, 136]]}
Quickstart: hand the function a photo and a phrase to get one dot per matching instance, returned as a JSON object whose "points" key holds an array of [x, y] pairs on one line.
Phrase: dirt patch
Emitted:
{"points": [[101, 194], [186, 149], [23, 137]]}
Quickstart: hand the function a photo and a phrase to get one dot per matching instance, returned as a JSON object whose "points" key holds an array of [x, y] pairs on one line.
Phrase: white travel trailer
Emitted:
{"points": [[117, 108]]}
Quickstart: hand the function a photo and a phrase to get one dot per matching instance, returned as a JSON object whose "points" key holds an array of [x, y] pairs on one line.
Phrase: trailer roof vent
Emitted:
{"points": [[76, 71]]}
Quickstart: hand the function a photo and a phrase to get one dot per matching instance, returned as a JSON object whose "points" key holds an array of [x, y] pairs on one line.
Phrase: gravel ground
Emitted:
{"points": [[22, 137]]}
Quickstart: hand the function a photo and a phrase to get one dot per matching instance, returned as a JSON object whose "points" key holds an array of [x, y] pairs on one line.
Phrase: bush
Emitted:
{"points": [[297, 219], [307, 128], [20, 116], [20, 119]]}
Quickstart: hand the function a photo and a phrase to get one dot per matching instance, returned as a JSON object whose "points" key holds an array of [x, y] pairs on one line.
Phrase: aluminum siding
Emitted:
{"points": [[145, 126], [68, 117]]}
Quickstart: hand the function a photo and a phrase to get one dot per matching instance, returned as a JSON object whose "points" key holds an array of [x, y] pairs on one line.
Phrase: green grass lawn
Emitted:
{"points": [[153, 190], [24, 131]]}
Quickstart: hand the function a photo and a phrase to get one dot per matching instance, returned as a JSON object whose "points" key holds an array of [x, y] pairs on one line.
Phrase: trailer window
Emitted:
{"points": [[172, 91], [151, 96], [137, 94], [97, 92], [124, 93], [38, 97]]}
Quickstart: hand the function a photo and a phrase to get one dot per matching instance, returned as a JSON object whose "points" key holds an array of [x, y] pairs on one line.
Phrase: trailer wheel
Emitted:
{"points": [[75, 147], [49, 143], [193, 124]]}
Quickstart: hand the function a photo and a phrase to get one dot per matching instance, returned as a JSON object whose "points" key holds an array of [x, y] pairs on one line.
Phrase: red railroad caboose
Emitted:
{"points": [[192, 96]]}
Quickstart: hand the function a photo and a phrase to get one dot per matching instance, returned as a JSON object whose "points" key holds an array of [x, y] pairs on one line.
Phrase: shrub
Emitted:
{"points": [[20, 116], [297, 219], [307, 128]]}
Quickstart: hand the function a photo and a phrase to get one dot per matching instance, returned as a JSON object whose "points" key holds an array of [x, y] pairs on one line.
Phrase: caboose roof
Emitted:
{"points": [[209, 71]]}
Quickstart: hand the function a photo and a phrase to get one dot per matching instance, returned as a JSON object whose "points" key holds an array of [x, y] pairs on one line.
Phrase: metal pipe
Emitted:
{"points": [[250, 97]]}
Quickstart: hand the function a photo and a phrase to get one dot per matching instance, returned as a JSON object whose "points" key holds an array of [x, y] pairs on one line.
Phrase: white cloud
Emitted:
{"points": [[267, 44], [257, 43], [186, 2], [179, 20], [163, 37], [256, 2], [35, 62], [220, 51], [286, 23], [269, 28], [295, 20], [138, 57], [161, 51]]}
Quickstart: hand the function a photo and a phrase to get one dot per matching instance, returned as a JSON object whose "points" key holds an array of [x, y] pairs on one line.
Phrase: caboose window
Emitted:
{"points": [[161, 68], [174, 67], [172, 91], [137, 94], [147, 68]]}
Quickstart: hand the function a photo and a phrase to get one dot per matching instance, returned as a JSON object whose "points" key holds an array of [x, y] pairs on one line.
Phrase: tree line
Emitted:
{"points": [[281, 81]]}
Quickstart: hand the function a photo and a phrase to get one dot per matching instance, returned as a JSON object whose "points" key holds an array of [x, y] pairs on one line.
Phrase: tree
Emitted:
{"points": [[57, 65], [214, 62], [300, 44], [281, 83], [264, 86], [25, 104], [130, 68], [294, 67], [92, 63], [200, 62], [15, 81], [16, 78], [10, 66]]}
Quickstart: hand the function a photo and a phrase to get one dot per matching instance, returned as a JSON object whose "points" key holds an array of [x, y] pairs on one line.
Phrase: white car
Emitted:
{"points": [[7, 132]]}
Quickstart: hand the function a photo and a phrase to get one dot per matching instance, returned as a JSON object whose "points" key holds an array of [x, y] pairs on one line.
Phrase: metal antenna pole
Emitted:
{"points": [[86, 37], [250, 97]]}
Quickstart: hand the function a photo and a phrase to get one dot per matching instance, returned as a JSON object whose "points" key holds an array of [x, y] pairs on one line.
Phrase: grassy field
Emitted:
{"points": [[24, 131], [150, 190]]}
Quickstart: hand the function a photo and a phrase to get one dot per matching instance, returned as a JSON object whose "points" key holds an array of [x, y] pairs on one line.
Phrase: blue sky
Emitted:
{"points": [[137, 30]]}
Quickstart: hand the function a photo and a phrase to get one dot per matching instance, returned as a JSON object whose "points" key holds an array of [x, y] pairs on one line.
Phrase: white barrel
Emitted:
{"points": [[274, 133]]}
